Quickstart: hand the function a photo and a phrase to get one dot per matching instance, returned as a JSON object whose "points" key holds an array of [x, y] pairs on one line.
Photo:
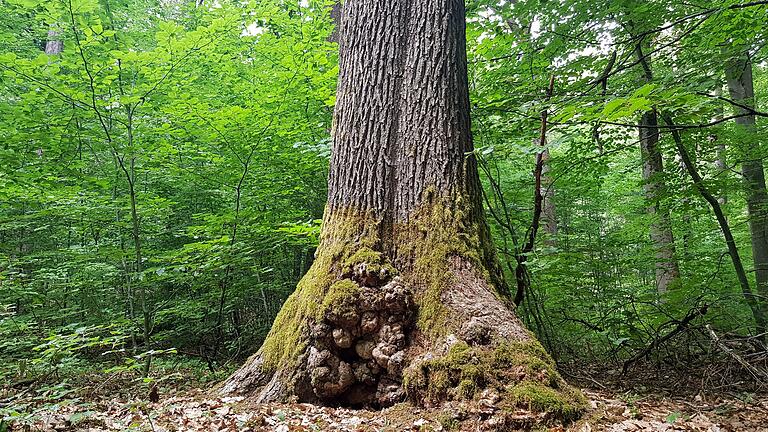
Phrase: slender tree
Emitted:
{"points": [[667, 270], [741, 89], [54, 45], [405, 297], [550, 209]]}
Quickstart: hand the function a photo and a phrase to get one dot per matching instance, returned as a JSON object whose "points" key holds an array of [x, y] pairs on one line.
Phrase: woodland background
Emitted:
{"points": [[163, 170]]}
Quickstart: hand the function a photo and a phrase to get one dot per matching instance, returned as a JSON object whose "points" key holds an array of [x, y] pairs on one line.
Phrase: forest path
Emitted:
{"points": [[198, 411]]}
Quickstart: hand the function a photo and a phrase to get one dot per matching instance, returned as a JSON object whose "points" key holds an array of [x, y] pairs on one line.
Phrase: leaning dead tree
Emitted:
{"points": [[406, 298]]}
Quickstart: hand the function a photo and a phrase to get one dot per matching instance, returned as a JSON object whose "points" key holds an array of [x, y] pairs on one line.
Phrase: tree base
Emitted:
{"points": [[365, 350], [511, 375], [355, 349], [355, 334]]}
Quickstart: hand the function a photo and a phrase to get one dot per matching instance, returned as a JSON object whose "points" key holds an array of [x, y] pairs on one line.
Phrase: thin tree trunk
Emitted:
{"points": [[733, 251], [667, 270], [550, 210], [522, 275], [54, 45], [741, 89], [720, 154], [336, 18], [405, 295]]}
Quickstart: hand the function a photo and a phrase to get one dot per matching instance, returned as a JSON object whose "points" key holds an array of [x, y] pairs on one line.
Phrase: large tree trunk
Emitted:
{"points": [[740, 87], [405, 297]]}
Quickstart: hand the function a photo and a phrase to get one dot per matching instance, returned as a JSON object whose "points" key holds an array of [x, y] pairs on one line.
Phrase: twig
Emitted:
{"points": [[757, 373], [681, 325]]}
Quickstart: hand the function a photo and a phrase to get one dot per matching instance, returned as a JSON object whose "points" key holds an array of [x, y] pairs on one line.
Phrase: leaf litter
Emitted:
{"points": [[197, 410]]}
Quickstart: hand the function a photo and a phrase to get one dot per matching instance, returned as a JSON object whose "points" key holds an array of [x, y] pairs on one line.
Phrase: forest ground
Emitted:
{"points": [[642, 402]]}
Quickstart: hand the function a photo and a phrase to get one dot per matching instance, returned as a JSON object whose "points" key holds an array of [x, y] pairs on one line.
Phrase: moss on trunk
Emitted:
{"points": [[412, 309], [521, 373]]}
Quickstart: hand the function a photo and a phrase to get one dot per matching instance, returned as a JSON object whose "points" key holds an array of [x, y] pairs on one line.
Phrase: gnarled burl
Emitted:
{"points": [[405, 298]]}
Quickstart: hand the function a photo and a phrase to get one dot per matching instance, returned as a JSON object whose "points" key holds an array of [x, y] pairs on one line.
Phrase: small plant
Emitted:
{"points": [[448, 421], [673, 417]]}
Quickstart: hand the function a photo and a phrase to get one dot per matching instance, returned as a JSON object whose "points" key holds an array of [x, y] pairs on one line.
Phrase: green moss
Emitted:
{"points": [[287, 338], [530, 358], [473, 373], [448, 421], [466, 389], [442, 228], [461, 369], [439, 383], [512, 352], [340, 299], [522, 371], [374, 261], [323, 286], [567, 404]]}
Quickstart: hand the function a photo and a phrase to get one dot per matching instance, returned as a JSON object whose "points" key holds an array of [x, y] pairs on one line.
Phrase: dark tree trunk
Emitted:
{"points": [[336, 18], [405, 297], [740, 87]]}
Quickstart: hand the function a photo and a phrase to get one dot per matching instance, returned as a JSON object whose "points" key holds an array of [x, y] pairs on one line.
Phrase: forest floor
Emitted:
{"points": [[199, 409]]}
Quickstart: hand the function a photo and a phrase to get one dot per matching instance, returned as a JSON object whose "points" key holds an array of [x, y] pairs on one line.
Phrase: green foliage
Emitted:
{"points": [[162, 177], [593, 294]]}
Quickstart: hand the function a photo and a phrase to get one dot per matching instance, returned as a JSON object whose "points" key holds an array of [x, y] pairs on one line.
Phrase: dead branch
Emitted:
{"points": [[759, 375], [679, 328]]}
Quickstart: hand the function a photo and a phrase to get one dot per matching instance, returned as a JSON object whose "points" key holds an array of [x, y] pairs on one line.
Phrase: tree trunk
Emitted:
{"points": [[721, 165], [740, 87], [54, 45], [403, 299], [733, 251], [550, 210], [336, 18], [667, 270]]}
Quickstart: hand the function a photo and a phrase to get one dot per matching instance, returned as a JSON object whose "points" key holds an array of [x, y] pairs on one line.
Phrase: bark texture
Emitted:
{"points": [[405, 298], [667, 269], [740, 87], [550, 209]]}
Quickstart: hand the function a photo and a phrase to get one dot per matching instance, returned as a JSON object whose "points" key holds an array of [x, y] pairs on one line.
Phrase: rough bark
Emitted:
{"points": [[403, 299], [740, 87], [667, 270]]}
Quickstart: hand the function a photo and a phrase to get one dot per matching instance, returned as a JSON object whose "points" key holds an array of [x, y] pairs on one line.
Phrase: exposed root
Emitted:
{"points": [[511, 374]]}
